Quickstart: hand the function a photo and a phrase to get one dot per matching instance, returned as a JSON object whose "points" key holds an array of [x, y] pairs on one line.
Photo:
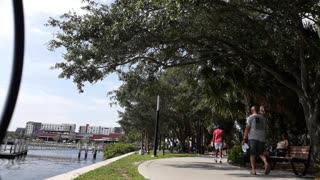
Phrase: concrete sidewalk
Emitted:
{"points": [[202, 168]]}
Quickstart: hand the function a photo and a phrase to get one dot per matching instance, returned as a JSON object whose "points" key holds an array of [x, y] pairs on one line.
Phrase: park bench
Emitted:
{"points": [[295, 154]]}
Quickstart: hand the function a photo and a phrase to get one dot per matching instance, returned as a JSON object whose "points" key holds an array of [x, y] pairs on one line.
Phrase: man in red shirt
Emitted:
{"points": [[217, 139]]}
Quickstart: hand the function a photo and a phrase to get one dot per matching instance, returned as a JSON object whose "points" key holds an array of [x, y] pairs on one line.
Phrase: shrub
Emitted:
{"points": [[234, 154], [117, 149], [210, 148], [317, 166]]}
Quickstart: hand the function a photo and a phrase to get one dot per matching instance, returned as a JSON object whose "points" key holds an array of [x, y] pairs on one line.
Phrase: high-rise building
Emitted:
{"points": [[94, 130], [105, 130], [20, 131], [83, 129], [116, 130], [59, 127], [32, 128]]}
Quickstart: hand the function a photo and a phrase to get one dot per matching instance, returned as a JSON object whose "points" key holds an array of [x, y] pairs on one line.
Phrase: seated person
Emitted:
{"points": [[282, 146]]}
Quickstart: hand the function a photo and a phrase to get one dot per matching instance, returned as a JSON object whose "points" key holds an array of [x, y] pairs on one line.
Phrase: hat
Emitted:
{"points": [[218, 126]]}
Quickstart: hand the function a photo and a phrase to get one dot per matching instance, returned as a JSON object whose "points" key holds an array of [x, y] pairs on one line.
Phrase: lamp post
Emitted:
{"points": [[156, 129]]}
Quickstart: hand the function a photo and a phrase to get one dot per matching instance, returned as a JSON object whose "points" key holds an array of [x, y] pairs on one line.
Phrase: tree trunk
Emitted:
{"points": [[159, 144], [311, 109], [147, 143], [182, 144], [164, 144], [142, 139]]}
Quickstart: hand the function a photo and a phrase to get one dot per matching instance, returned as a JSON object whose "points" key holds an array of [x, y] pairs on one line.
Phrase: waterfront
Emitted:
{"points": [[42, 164]]}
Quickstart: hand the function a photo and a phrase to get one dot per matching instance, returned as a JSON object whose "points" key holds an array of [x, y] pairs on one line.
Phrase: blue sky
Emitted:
{"points": [[43, 97]]}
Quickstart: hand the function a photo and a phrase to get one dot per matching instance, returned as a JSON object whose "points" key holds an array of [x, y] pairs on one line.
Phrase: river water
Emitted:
{"points": [[42, 164]]}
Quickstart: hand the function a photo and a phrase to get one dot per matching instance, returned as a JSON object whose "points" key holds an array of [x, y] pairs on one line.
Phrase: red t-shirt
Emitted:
{"points": [[218, 135]]}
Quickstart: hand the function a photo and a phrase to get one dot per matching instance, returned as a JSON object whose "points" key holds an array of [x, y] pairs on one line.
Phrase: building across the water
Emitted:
{"points": [[20, 131], [87, 129], [99, 137], [66, 132], [32, 128], [58, 127]]}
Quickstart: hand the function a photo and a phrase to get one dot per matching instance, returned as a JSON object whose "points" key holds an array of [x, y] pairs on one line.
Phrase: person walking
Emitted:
{"points": [[217, 139], [255, 134]]}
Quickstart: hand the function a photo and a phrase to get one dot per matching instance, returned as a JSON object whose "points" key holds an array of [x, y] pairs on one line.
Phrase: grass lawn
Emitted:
{"points": [[125, 168]]}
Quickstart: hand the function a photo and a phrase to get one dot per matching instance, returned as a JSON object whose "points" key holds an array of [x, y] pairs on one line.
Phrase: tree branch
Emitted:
{"points": [[272, 71], [279, 77], [316, 87], [182, 64], [148, 58], [303, 73]]}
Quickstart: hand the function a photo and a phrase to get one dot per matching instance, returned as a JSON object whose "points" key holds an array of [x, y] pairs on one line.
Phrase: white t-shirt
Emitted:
{"points": [[257, 125], [282, 144]]}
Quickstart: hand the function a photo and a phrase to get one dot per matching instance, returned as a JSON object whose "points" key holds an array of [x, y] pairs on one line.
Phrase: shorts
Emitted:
{"points": [[218, 145], [256, 147], [277, 153]]}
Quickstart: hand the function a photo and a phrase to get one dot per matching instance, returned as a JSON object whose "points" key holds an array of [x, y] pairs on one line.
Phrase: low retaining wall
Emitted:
{"points": [[75, 173]]}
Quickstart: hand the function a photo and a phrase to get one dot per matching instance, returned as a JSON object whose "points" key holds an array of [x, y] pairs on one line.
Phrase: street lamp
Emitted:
{"points": [[156, 129]]}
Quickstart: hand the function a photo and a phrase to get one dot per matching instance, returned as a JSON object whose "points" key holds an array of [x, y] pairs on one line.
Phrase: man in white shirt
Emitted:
{"points": [[255, 133]]}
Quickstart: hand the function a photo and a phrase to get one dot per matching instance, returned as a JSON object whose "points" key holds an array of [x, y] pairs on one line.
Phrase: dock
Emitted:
{"points": [[13, 149], [94, 147]]}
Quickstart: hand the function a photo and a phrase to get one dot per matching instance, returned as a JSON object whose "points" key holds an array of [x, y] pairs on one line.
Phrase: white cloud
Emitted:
{"points": [[40, 32], [36, 103], [41, 99], [56, 7], [6, 19], [38, 66], [52, 7], [105, 1], [42, 96], [34, 9], [3, 94], [97, 101], [104, 102]]}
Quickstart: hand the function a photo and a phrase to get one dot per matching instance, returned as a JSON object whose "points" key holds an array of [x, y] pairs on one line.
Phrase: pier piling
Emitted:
{"points": [[18, 147]]}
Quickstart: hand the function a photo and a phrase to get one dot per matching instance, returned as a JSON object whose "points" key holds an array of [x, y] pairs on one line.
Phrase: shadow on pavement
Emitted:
{"points": [[204, 165], [269, 176], [227, 167]]}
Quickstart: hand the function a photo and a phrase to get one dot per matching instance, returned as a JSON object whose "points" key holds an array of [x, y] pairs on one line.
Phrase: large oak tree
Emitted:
{"points": [[279, 37]]}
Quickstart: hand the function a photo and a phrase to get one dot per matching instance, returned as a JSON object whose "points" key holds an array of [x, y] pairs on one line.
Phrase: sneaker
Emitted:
{"points": [[267, 170], [220, 161], [253, 173], [215, 160]]}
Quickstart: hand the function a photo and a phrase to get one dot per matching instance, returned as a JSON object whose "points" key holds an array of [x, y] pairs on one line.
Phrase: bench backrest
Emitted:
{"points": [[301, 152]]}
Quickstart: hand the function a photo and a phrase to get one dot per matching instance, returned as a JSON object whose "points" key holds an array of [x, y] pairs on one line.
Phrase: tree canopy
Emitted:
{"points": [[247, 49]]}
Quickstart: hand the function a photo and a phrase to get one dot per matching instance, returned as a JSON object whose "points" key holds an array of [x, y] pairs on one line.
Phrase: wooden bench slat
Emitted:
{"points": [[299, 156], [299, 147], [299, 151], [296, 154]]}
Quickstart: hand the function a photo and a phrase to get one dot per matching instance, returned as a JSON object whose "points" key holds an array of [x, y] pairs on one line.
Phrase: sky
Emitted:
{"points": [[43, 96]]}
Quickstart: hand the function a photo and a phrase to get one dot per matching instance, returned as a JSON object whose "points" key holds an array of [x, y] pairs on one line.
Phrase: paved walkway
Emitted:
{"points": [[202, 168]]}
